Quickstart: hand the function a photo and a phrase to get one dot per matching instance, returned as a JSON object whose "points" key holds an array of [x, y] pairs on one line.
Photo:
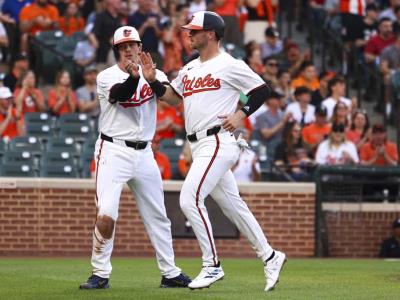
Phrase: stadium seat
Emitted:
{"points": [[172, 148], [56, 158], [74, 118], [66, 45], [27, 143], [50, 37], [17, 170], [89, 144], [84, 163], [76, 131], [59, 171], [41, 118], [43, 132], [78, 36], [19, 157], [62, 144], [3, 147]]}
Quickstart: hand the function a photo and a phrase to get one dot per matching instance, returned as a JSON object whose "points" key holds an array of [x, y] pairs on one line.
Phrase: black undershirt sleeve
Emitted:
{"points": [[124, 91], [257, 98]]}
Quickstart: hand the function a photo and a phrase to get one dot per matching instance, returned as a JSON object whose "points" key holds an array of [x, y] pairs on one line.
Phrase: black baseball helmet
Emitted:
{"points": [[207, 20]]}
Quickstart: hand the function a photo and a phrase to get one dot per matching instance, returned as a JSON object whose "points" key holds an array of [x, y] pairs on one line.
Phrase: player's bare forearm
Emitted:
{"points": [[171, 97]]}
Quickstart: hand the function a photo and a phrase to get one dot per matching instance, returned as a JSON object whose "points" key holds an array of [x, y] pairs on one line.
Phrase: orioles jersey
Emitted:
{"points": [[222, 77], [132, 120]]}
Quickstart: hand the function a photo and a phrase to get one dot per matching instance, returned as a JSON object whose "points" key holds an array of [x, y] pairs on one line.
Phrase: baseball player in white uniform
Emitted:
{"points": [[123, 155], [209, 87]]}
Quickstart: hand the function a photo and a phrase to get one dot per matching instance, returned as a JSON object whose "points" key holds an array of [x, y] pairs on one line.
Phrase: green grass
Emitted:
{"points": [[133, 278]]}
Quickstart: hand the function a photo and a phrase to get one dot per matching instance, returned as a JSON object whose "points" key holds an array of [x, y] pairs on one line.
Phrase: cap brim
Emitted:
{"points": [[192, 27]]}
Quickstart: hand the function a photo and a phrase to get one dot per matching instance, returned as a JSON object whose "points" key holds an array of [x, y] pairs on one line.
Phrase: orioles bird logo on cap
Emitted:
{"points": [[127, 32]]}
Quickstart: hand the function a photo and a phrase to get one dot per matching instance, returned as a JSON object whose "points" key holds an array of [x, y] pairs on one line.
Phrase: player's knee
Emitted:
{"points": [[187, 203], [105, 225]]}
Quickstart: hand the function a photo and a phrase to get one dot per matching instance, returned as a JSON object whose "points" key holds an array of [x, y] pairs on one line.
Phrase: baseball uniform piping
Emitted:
{"points": [[97, 168], [197, 198]]}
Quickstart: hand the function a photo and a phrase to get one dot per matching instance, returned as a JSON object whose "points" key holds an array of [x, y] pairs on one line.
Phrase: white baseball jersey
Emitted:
{"points": [[133, 120], [295, 109], [222, 78]]}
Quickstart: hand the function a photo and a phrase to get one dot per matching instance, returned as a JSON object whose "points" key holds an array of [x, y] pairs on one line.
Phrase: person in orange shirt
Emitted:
{"points": [[62, 99], [162, 160], [169, 121], [71, 21], [317, 131], [185, 160], [379, 151], [359, 131], [10, 125], [27, 97], [35, 17], [308, 77]]}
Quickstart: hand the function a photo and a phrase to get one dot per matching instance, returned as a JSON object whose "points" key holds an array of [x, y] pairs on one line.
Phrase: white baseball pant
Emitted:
{"points": [[210, 173], [116, 165]]}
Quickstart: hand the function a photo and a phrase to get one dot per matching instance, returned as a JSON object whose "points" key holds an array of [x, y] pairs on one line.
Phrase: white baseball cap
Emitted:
{"points": [[206, 20], [5, 93], [126, 34]]}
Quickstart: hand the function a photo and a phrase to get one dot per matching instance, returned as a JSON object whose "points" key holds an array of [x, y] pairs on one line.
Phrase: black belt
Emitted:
{"points": [[193, 138], [136, 145]]}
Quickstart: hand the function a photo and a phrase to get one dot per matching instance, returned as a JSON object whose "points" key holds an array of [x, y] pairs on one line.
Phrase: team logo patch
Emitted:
{"points": [[127, 32]]}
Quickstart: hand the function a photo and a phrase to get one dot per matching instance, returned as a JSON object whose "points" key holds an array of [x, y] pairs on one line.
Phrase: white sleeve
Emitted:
{"points": [[241, 77], [321, 154], [177, 84], [3, 31], [353, 152], [104, 81]]}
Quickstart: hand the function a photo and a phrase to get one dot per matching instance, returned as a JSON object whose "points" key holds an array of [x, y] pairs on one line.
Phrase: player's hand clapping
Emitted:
{"points": [[148, 67], [132, 69]]}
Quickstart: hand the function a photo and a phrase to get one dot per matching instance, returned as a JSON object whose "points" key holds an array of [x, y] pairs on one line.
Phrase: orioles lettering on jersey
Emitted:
{"points": [[146, 94], [200, 84]]}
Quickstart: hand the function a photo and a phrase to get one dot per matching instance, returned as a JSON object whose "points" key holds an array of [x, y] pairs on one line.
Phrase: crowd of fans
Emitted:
{"points": [[307, 119]]}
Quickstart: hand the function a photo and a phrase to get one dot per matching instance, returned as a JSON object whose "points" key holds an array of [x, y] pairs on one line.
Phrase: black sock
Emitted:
{"points": [[269, 258], [217, 265]]}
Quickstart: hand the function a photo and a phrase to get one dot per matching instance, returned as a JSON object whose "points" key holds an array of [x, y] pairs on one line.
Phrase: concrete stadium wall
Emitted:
{"points": [[55, 217], [357, 230]]}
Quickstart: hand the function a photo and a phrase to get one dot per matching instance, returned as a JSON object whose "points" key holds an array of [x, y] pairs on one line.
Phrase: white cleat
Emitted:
{"points": [[207, 277], [272, 270]]}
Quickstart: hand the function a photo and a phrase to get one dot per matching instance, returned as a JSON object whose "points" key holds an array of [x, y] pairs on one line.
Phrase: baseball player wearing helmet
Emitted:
{"points": [[209, 87], [123, 155]]}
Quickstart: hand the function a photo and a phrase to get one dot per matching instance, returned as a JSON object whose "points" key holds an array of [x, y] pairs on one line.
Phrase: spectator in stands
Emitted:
{"points": [[162, 160], [253, 59], [71, 21], [27, 97], [379, 151], [341, 115], [308, 77], [169, 121], [271, 71], [10, 125], [175, 40], [272, 45], [294, 58], [317, 131], [247, 167], [260, 15], [3, 38], [20, 66], [389, 64], [378, 42], [301, 110], [359, 131], [197, 5], [336, 150], [270, 124], [366, 29], [390, 248], [38, 16], [322, 92], [62, 99], [389, 13], [11, 9], [147, 23], [291, 155], [284, 88], [87, 94], [396, 24], [84, 53], [185, 160], [337, 91], [105, 24], [228, 10]]}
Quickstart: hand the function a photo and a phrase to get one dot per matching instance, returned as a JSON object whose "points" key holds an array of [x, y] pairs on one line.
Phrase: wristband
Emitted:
{"points": [[158, 88]]}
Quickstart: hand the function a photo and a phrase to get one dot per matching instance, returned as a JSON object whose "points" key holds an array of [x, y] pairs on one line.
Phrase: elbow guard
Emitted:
{"points": [[122, 92], [256, 98]]}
